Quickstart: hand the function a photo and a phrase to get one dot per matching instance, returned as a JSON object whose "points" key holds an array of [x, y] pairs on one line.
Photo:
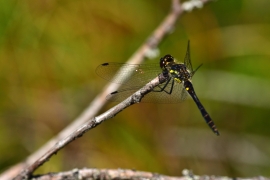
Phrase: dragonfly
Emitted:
{"points": [[175, 89]]}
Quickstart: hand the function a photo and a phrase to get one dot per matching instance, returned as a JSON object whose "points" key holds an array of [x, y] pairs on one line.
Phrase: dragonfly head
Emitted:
{"points": [[165, 61]]}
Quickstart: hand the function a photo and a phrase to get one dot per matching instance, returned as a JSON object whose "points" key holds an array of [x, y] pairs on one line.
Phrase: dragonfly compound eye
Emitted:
{"points": [[164, 61]]}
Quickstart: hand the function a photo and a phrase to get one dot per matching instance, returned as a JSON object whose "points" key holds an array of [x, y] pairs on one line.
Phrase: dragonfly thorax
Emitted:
{"points": [[180, 72]]}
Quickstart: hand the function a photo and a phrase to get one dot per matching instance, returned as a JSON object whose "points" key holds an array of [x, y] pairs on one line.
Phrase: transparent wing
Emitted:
{"points": [[128, 74], [187, 60], [177, 95]]}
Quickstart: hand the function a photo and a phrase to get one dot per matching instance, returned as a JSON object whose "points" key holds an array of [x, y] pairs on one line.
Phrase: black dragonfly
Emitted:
{"points": [[174, 90]]}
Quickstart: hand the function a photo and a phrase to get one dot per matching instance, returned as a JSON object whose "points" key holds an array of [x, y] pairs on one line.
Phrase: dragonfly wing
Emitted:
{"points": [[120, 95], [128, 74], [187, 60]]}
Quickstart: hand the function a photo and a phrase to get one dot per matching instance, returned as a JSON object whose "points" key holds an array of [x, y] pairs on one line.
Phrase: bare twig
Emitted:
{"points": [[151, 43], [106, 174]]}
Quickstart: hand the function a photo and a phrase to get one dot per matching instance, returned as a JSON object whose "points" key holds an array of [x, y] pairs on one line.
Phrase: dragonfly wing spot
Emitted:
{"points": [[105, 64]]}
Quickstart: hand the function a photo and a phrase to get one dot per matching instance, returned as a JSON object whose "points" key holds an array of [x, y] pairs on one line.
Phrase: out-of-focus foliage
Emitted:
{"points": [[48, 54]]}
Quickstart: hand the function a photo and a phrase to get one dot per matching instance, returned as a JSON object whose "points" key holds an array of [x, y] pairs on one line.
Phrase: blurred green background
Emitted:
{"points": [[48, 54]]}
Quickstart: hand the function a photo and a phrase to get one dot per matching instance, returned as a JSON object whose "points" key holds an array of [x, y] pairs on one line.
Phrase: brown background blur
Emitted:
{"points": [[48, 54]]}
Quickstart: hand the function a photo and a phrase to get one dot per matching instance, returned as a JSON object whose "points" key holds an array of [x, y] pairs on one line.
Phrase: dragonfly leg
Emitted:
{"points": [[165, 85]]}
